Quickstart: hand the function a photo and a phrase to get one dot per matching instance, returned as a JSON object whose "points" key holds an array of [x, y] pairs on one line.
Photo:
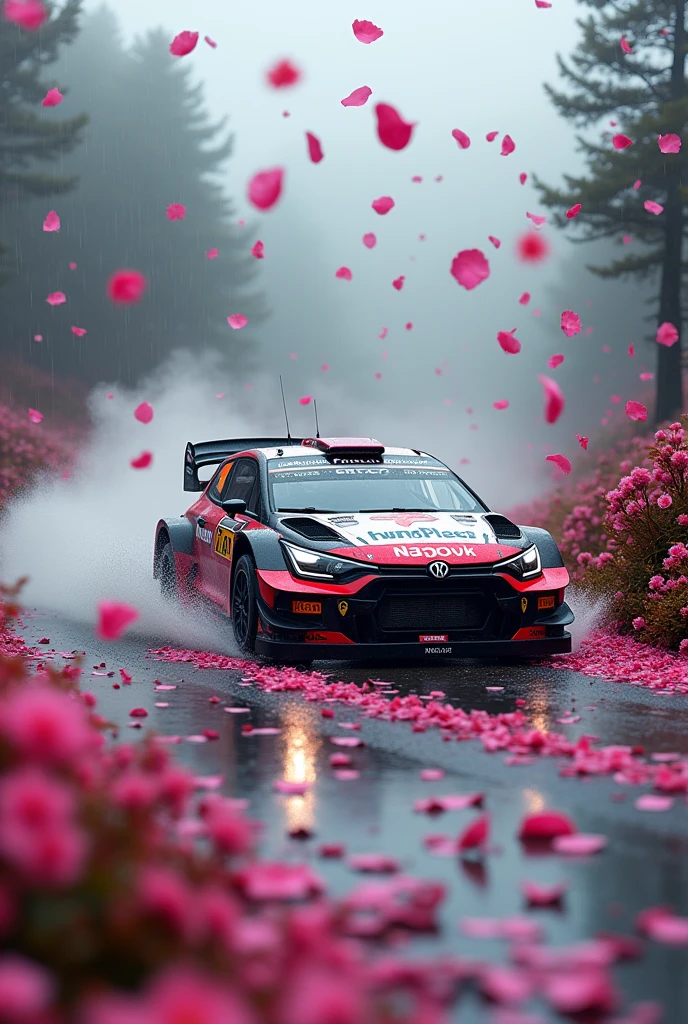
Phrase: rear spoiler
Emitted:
{"points": [[212, 453]]}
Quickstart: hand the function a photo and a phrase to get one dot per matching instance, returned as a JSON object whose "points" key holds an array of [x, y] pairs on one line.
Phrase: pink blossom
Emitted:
{"points": [[45, 725], [26, 989], [664, 500], [638, 622]]}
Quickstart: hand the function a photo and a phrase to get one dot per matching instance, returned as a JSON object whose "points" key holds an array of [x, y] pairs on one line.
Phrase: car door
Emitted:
{"points": [[207, 515], [242, 483]]}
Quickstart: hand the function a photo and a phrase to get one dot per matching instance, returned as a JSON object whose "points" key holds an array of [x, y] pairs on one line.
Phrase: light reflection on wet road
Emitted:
{"points": [[645, 863]]}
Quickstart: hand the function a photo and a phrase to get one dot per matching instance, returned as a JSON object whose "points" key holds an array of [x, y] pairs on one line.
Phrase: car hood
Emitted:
{"points": [[398, 538]]}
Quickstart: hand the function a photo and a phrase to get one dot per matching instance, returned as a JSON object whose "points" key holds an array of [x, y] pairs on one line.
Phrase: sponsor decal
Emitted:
{"points": [[545, 602], [524, 605], [315, 638], [408, 518], [422, 533], [530, 633], [223, 542], [433, 638], [438, 650], [205, 535], [306, 607], [342, 607], [342, 521], [344, 461], [441, 552]]}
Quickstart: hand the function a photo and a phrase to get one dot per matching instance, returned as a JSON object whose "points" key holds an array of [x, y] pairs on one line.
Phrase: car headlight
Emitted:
{"points": [[525, 566], [319, 565]]}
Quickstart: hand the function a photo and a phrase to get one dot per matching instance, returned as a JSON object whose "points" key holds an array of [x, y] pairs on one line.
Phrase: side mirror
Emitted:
{"points": [[233, 507]]}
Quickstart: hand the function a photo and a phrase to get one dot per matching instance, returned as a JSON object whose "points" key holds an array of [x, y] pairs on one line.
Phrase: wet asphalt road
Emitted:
{"points": [[645, 862]]}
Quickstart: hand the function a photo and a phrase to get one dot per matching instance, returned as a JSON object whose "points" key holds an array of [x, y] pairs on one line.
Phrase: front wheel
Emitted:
{"points": [[167, 573], [244, 609]]}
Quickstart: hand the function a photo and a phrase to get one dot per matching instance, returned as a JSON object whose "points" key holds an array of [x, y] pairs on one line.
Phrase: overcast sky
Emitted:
{"points": [[477, 65]]}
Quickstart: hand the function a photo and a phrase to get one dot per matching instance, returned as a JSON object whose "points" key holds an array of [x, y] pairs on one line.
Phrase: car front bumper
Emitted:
{"points": [[315, 651]]}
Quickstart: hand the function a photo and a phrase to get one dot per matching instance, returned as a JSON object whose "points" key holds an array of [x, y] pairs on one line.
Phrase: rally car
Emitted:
{"points": [[344, 548]]}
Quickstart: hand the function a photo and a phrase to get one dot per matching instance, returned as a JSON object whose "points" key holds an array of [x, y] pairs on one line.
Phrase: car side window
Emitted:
{"points": [[219, 482], [245, 484]]}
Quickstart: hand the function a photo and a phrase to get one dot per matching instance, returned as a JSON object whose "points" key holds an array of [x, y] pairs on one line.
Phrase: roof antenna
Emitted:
{"points": [[315, 410], [284, 404]]}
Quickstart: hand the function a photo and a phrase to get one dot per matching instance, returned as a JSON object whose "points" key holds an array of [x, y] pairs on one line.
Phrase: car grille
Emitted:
{"points": [[432, 613]]}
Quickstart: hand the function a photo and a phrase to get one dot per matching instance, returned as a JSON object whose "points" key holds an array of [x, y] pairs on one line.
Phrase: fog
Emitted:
{"points": [[478, 66]]}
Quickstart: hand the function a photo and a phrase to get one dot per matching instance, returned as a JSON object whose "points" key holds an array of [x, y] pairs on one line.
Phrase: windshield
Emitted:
{"points": [[395, 483]]}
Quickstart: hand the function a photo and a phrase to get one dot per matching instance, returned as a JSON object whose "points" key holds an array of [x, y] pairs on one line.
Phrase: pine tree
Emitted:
{"points": [[28, 137], [149, 144], [645, 95]]}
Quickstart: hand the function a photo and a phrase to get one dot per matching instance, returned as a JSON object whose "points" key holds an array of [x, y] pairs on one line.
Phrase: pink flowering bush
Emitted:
{"points": [[27, 448], [130, 892]]}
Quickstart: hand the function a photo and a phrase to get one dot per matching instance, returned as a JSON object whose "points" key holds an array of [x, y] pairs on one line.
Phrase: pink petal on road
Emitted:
{"points": [[546, 825], [475, 836], [654, 802], [579, 845]]}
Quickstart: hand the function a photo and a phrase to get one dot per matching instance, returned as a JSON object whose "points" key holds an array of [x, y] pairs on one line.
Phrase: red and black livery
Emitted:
{"points": [[342, 548]]}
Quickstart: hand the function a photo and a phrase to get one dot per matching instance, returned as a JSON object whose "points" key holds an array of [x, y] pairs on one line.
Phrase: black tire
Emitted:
{"points": [[244, 608], [167, 573]]}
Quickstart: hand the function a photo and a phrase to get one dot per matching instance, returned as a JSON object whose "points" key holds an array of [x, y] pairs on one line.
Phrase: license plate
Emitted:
{"points": [[306, 607], [545, 602], [433, 638]]}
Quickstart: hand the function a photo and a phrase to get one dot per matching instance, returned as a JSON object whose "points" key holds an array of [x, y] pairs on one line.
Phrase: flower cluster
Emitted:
{"points": [[27, 448]]}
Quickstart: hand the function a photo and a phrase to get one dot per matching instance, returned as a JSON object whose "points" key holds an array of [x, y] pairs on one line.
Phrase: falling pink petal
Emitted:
{"points": [[495, 241], [38, 337], [176, 211], [663, 926], [258, 250], [583, 442], [561, 461], [555, 361], [636, 411], [236, 321], [621, 141], [532, 247], [523, 177], [653, 207], [51, 222], [508, 145], [409, 326], [369, 240], [503, 403], [143, 412], [265, 188], [344, 274], [579, 845], [525, 299], [383, 205], [398, 282], [306, 400], [79, 331], [574, 211], [114, 617], [508, 342], [392, 131], [56, 298], [667, 334], [72, 266], [183, 44], [126, 286], [462, 140], [366, 32], [542, 4], [537, 219], [637, 184], [475, 835], [491, 136], [417, 178], [538, 895], [28, 14], [315, 151], [52, 98], [431, 774], [383, 334], [554, 398], [627, 239], [358, 98], [283, 75], [325, 367], [647, 376], [35, 416], [143, 461], [570, 323], [212, 254], [625, 45], [669, 143], [211, 42], [469, 268], [654, 802]]}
